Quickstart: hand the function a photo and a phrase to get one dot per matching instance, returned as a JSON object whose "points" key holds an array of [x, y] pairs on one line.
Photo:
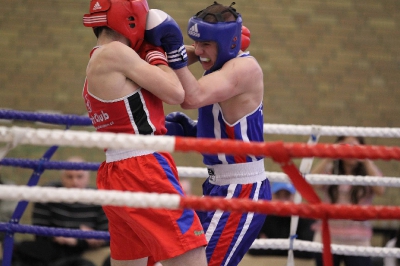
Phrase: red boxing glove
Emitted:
{"points": [[245, 38], [153, 55]]}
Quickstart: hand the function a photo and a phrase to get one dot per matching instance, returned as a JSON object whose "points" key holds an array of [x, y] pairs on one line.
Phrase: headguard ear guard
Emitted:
{"points": [[127, 17], [227, 34]]}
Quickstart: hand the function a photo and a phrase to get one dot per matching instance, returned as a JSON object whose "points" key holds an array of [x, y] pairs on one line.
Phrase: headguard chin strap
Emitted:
{"points": [[227, 34], [127, 17]]}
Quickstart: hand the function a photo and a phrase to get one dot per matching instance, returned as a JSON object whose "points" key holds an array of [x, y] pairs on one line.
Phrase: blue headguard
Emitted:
{"points": [[227, 34]]}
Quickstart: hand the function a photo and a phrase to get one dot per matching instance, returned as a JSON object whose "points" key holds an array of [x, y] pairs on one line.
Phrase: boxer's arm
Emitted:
{"points": [[124, 63], [192, 57], [220, 85]]}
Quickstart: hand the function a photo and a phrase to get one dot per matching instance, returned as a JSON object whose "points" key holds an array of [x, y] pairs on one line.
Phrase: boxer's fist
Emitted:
{"points": [[152, 54], [189, 126], [245, 38], [162, 30], [174, 129]]}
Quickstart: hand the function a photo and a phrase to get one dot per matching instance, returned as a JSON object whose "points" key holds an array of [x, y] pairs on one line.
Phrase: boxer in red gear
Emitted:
{"points": [[127, 82]]}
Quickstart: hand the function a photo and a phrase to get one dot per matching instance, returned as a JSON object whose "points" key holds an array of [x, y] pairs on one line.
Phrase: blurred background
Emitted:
{"points": [[325, 63]]}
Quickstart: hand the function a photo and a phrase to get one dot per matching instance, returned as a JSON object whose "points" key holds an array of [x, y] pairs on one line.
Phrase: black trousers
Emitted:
{"points": [[348, 260]]}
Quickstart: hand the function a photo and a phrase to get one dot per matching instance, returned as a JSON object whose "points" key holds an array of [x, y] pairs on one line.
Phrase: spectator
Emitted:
{"points": [[348, 232], [59, 250], [279, 226]]}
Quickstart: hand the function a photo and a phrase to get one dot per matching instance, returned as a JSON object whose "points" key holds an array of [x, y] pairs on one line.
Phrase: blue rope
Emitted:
{"points": [[57, 119], [51, 165], [53, 231]]}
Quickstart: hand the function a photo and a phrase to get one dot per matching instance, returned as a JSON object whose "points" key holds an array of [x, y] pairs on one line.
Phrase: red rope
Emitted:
{"points": [[314, 211], [295, 150]]}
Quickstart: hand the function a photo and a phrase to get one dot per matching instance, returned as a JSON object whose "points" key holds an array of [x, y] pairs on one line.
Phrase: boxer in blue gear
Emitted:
{"points": [[229, 98]]}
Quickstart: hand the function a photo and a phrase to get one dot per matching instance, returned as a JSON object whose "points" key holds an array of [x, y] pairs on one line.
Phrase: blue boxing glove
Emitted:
{"points": [[174, 129], [162, 30], [188, 125]]}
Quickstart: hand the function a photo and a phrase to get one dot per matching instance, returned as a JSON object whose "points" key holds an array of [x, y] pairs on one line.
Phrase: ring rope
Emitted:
{"points": [[53, 231], [268, 128], [282, 244], [170, 144], [283, 129], [56, 119], [201, 172], [310, 246], [172, 201]]}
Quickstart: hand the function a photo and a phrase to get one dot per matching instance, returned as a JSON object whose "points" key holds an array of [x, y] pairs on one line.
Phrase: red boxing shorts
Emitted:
{"points": [[138, 233]]}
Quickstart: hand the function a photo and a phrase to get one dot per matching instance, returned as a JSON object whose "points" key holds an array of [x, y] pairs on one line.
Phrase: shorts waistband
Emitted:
{"points": [[241, 173], [118, 155]]}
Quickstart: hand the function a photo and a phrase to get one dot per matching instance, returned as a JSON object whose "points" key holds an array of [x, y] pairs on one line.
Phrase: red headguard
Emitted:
{"points": [[127, 17]]}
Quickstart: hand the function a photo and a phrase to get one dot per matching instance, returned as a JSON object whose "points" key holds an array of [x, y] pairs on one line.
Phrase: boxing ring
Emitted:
{"points": [[280, 152]]}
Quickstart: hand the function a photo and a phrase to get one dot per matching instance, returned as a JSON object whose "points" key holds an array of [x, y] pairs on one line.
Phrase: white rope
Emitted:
{"points": [[47, 137], [281, 129], [302, 245], [315, 179], [353, 180], [89, 196], [192, 172]]}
